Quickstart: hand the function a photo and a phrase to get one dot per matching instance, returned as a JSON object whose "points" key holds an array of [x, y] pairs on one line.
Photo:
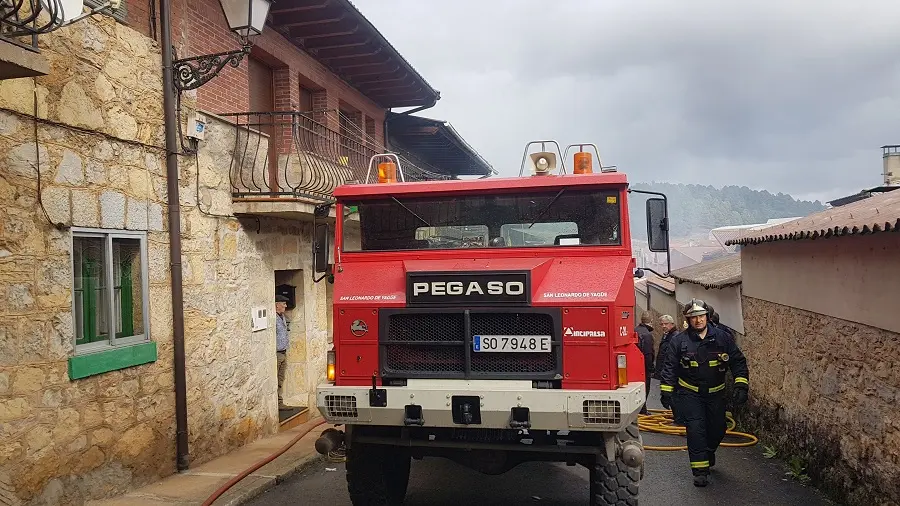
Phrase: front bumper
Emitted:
{"points": [[590, 410]]}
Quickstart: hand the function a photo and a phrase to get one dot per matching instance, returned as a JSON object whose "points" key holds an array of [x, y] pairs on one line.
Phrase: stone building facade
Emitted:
{"points": [[95, 151], [822, 340], [87, 405]]}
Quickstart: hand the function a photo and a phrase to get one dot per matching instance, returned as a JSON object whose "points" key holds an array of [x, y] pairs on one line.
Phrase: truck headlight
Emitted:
{"points": [[331, 364], [622, 367]]}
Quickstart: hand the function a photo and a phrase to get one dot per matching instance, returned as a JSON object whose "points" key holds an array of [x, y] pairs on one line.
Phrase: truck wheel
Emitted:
{"points": [[614, 483], [377, 475]]}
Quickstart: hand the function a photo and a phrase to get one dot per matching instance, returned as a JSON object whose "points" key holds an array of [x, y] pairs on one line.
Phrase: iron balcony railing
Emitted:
{"points": [[22, 20], [291, 155]]}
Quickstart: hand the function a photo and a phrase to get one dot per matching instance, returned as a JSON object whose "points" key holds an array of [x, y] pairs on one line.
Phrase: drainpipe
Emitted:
{"points": [[172, 150]]}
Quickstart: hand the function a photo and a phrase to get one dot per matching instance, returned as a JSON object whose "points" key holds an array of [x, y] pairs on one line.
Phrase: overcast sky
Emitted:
{"points": [[790, 96]]}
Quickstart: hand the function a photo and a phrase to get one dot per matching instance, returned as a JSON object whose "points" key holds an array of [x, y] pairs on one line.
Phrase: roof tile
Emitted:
{"points": [[719, 273], [879, 213]]}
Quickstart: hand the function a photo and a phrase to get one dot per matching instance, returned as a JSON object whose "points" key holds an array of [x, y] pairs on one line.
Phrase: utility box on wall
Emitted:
{"points": [[289, 291], [259, 318]]}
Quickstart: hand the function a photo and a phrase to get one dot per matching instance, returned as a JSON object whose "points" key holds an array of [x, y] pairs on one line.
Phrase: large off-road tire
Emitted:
{"points": [[377, 475], [614, 483]]}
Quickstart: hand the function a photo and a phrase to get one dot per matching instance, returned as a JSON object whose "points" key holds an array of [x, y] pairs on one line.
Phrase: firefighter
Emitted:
{"points": [[713, 317], [695, 365], [645, 343]]}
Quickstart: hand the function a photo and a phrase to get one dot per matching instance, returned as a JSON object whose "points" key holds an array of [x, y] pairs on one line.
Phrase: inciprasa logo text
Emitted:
{"points": [[570, 331]]}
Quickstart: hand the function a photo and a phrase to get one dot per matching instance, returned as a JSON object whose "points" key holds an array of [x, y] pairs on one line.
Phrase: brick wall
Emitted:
{"points": [[138, 17], [209, 33]]}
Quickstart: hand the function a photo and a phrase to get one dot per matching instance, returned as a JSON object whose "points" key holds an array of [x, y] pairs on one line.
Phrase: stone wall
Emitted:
{"points": [[100, 155], [827, 390], [229, 268], [101, 165]]}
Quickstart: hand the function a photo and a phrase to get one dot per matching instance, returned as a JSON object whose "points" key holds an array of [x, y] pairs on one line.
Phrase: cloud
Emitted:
{"points": [[792, 97]]}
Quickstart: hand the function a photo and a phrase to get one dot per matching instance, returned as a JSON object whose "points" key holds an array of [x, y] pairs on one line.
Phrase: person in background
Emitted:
{"points": [[671, 330], [667, 324], [645, 343], [282, 341], [714, 319]]}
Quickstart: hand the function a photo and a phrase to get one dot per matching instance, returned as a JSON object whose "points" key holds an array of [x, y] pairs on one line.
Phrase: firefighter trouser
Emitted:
{"points": [[704, 417]]}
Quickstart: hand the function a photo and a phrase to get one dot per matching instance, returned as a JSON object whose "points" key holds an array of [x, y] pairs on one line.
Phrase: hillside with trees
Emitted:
{"points": [[698, 209]]}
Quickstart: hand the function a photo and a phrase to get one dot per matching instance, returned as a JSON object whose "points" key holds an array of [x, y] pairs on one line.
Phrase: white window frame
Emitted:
{"points": [[108, 235]]}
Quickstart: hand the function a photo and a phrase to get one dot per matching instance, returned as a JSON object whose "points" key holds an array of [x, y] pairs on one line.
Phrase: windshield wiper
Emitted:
{"points": [[410, 211], [546, 208]]}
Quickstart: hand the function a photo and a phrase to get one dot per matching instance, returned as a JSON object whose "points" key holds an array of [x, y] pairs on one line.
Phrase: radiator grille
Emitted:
{"points": [[437, 344], [412, 327], [601, 412], [341, 406]]}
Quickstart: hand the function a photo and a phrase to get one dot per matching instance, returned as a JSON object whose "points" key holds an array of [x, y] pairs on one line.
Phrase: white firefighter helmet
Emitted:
{"points": [[695, 307]]}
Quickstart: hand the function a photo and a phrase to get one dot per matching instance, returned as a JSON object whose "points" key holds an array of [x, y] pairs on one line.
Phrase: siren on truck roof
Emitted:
{"points": [[544, 162], [388, 168]]}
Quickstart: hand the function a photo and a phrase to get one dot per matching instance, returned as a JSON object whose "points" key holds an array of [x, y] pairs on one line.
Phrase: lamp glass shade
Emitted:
{"points": [[246, 17]]}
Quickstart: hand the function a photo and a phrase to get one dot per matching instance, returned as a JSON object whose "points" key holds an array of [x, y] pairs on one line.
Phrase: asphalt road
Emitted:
{"points": [[742, 476]]}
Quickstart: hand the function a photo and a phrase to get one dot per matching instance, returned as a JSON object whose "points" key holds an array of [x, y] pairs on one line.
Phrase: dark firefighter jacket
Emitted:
{"points": [[663, 345], [700, 364], [645, 343]]}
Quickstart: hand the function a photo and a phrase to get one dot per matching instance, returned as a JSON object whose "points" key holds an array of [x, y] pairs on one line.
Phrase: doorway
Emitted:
{"points": [[289, 283]]}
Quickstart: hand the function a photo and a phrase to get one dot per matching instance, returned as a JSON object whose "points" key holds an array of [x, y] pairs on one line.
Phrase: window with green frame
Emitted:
{"points": [[109, 288]]}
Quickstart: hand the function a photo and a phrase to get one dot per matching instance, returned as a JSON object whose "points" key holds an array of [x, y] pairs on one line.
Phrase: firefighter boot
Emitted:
{"points": [[701, 478]]}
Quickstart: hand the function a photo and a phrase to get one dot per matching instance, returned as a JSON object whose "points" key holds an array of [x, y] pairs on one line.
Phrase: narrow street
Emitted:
{"points": [[742, 477]]}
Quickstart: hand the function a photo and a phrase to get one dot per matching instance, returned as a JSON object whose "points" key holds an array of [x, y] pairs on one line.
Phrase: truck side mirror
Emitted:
{"points": [[321, 248], [657, 225]]}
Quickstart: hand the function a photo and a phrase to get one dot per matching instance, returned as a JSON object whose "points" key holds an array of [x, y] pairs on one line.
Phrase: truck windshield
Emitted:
{"points": [[567, 217]]}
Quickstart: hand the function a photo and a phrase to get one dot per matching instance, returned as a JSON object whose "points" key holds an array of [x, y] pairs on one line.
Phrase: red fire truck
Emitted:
{"points": [[486, 321]]}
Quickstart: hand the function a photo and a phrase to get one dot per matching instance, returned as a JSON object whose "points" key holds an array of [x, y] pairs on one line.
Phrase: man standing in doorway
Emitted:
{"points": [[282, 341]]}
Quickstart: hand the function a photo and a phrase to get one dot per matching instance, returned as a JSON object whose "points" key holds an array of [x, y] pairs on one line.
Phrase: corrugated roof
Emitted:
{"points": [[719, 273], [437, 143], [878, 213], [843, 201], [663, 283], [641, 285], [695, 253], [726, 235]]}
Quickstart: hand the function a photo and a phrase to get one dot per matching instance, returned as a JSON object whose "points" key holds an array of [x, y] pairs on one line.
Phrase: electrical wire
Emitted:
{"points": [[152, 21], [37, 158], [661, 421], [197, 195]]}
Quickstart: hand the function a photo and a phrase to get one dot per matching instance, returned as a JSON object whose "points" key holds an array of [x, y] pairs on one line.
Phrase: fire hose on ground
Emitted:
{"points": [[661, 421], [307, 428]]}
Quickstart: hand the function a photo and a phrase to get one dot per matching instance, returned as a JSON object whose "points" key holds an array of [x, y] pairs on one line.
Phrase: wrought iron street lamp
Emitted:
{"points": [[246, 18]]}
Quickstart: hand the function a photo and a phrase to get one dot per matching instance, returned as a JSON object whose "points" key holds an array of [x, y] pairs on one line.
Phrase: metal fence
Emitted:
{"points": [[22, 20], [291, 155]]}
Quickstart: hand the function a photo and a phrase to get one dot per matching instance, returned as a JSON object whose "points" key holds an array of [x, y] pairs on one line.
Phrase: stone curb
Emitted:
{"points": [[259, 482]]}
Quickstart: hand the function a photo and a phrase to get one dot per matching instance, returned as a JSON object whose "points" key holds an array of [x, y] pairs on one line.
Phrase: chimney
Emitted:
{"points": [[891, 157]]}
